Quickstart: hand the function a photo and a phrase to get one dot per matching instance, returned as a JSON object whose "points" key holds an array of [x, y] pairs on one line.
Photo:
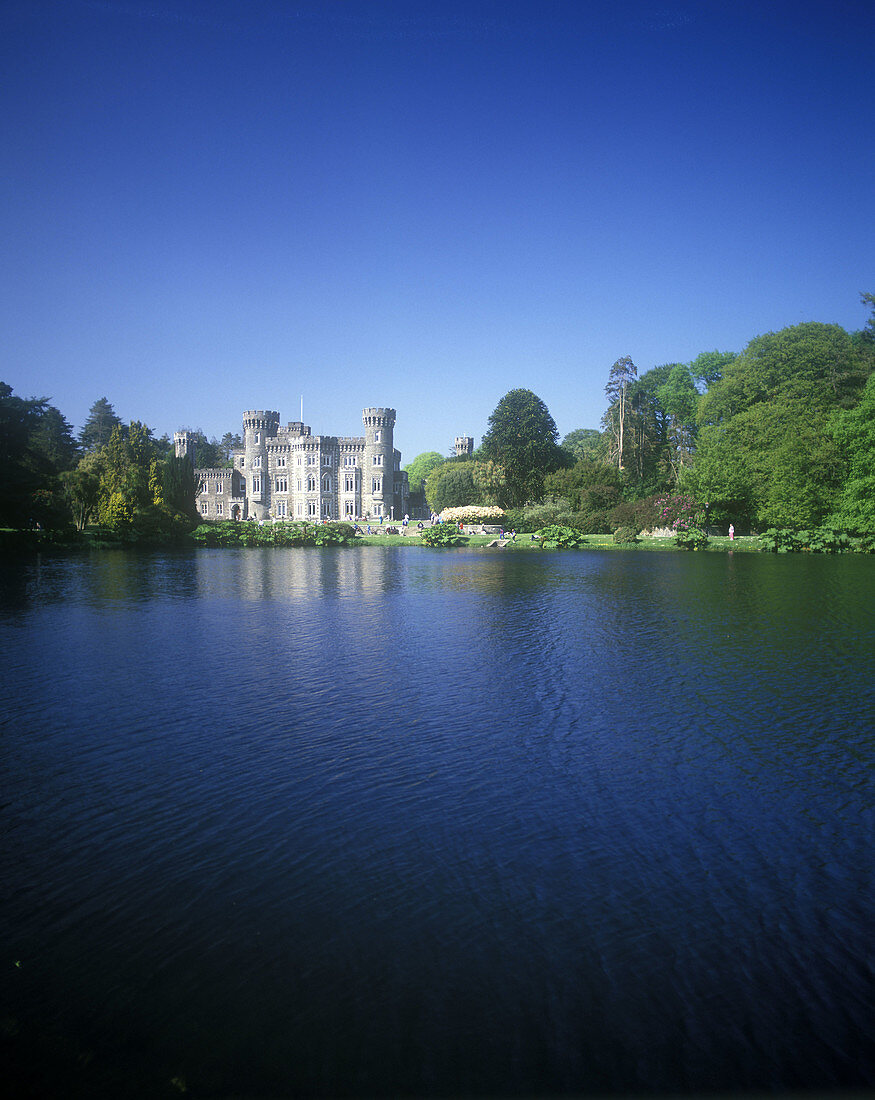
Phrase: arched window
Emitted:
{"points": [[326, 484], [311, 484]]}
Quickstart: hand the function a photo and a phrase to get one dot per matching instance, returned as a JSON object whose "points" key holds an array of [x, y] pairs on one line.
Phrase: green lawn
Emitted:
{"points": [[523, 542]]}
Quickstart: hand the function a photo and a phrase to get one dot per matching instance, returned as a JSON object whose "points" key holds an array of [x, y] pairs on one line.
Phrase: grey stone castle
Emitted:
{"points": [[287, 473]]}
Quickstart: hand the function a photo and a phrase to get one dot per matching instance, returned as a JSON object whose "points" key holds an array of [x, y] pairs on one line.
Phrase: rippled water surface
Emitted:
{"points": [[429, 822]]}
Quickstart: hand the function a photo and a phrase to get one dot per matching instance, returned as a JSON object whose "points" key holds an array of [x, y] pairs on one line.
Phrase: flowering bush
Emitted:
{"points": [[473, 513], [677, 511]]}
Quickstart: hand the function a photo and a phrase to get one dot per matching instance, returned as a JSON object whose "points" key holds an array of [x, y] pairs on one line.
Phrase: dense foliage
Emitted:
{"points": [[232, 533], [522, 441], [443, 534]]}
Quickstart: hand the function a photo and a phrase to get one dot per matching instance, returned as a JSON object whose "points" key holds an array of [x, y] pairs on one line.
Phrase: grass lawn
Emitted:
{"points": [[744, 543]]}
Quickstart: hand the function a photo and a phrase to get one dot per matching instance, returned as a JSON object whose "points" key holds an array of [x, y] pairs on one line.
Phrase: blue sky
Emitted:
{"points": [[222, 205]]}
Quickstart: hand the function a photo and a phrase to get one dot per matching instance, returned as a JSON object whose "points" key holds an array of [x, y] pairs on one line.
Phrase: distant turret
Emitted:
{"points": [[183, 442], [464, 445]]}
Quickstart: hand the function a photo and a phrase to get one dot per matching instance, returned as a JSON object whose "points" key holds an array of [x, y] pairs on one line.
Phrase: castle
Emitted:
{"points": [[290, 474]]}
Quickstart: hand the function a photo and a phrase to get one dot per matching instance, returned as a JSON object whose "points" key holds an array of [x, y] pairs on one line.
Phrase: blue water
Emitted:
{"points": [[412, 822]]}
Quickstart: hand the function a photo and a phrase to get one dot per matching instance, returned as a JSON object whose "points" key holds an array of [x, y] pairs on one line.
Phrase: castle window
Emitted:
{"points": [[203, 487], [299, 485], [204, 507], [242, 461], [311, 484], [281, 508], [350, 483], [220, 509], [350, 460], [311, 508], [256, 485], [220, 486], [282, 484], [256, 462], [300, 507], [349, 508], [326, 509], [257, 438], [377, 485], [281, 461], [311, 459], [377, 435], [326, 484], [299, 460], [378, 460], [326, 460]]}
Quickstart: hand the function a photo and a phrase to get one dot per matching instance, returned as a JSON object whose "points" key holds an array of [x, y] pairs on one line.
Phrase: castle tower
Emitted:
{"points": [[183, 442], [464, 445], [378, 470], [258, 427]]}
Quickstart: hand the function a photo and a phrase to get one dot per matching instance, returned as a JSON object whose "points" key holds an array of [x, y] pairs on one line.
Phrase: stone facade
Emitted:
{"points": [[287, 473]]}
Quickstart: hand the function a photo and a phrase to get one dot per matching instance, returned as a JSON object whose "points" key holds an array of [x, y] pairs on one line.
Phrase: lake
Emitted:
{"points": [[377, 821]]}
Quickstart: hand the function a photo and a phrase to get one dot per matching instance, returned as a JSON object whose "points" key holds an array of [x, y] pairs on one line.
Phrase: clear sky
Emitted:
{"points": [[222, 205]]}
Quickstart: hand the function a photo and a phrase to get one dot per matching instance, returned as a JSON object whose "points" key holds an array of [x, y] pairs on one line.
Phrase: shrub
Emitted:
{"points": [[443, 534], [821, 540], [691, 538], [558, 537], [625, 536]]}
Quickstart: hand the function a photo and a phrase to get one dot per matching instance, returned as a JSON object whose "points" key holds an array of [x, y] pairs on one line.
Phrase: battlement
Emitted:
{"points": [[378, 418], [261, 420]]}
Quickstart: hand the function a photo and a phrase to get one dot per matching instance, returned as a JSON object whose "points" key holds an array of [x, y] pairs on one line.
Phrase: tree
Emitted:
{"points": [[227, 445], [53, 438], [621, 376], [421, 466], [854, 433], [868, 332], [82, 490], [708, 367], [99, 425], [584, 443], [679, 398], [522, 439], [451, 486], [179, 485], [22, 470]]}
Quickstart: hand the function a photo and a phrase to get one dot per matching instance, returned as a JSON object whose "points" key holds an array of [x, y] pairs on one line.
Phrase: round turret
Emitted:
{"points": [[378, 474], [258, 427]]}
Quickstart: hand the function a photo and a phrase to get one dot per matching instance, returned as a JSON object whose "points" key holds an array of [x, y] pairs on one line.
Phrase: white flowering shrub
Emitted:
{"points": [[473, 513]]}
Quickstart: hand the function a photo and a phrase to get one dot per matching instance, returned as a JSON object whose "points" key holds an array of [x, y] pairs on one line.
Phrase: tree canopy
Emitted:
{"points": [[98, 426], [522, 439], [421, 466]]}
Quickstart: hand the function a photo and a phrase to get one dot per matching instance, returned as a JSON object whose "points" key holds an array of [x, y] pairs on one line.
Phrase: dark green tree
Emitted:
{"points": [[180, 486], [854, 433], [98, 427], [229, 443], [53, 439], [522, 439], [23, 470], [451, 486]]}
